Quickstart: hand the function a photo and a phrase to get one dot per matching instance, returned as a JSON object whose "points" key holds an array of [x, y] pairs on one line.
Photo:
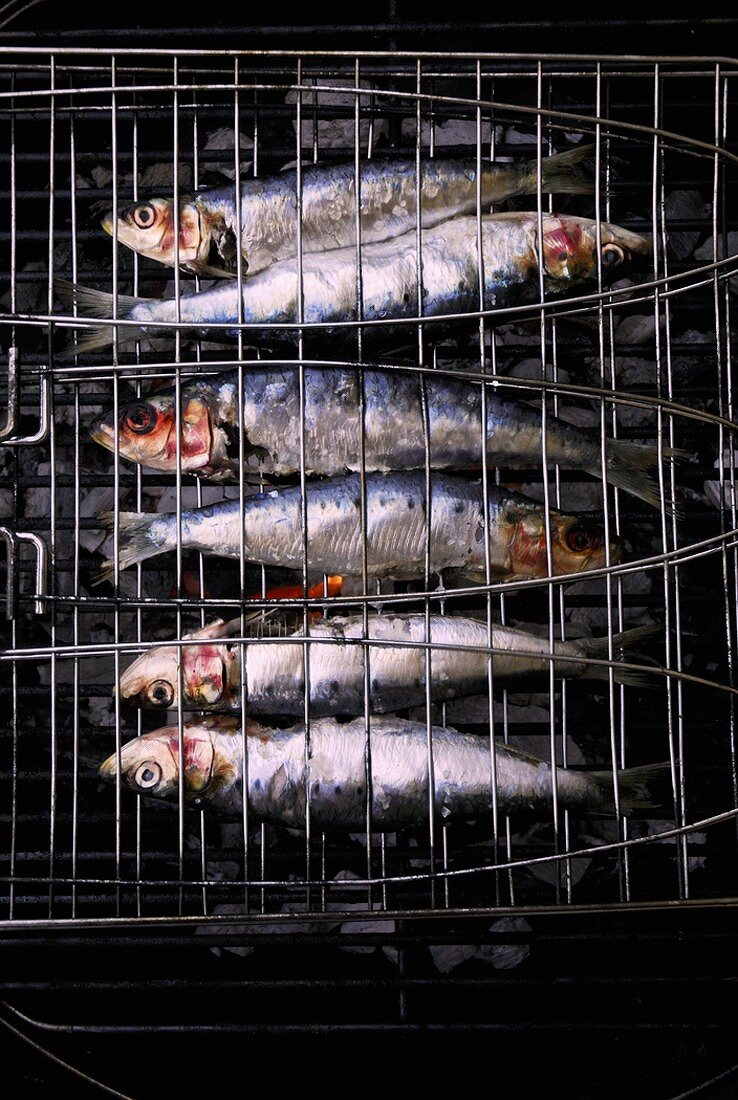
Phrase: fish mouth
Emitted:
{"points": [[107, 224], [102, 432], [128, 691], [108, 770], [617, 548]]}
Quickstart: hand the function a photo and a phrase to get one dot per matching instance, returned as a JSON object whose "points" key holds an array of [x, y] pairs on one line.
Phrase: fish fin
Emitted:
{"points": [[229, 475], [628, 465], [565, 173], [208, 271], [95, 338], [269, 623], [96, 304], [624, 649], [134, 541], [217, 629], [93, 303], [640, 789]]}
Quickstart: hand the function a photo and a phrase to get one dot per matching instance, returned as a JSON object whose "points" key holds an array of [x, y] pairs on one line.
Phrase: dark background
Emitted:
{"points": [[625, 29]]}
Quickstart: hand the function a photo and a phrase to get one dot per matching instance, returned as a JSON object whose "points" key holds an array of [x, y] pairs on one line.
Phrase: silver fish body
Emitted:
{"points": [[332, 784], [399, 526], [269, 676], [399, 407], [450, 277], [267, 214]]}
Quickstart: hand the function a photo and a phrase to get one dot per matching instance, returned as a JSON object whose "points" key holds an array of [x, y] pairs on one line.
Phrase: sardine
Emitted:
{"points": [[274, 670], [208, 221], [389, 280], [396, 530], [333, 783], [397, 407]]}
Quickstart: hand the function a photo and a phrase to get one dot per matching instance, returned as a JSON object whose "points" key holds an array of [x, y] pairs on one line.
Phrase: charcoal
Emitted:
{"points": [[452, 131], [448, 956], [335, 132], [595, 618], [224, 139], [705, 253], [502, 956], [539, 745], [685, 206], [506, 956], [636, 329], [514, 136], [372, 927], [98, 499], [160, 177], [531, 368], [101, 177]]}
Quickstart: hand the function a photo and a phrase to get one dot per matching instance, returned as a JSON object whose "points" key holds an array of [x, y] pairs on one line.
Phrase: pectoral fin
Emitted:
{"points": [[206, 271]]}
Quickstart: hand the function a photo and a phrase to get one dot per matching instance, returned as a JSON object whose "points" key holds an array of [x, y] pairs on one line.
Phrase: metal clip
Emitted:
{"points": [[6, 431], [11, 539]]}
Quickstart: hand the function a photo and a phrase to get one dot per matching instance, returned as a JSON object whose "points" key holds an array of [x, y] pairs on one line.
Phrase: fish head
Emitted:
{"points": [[149, 229], [570, 250], [576, 543], [152, 680], [208, 669], [146, 432], [150, 764]]}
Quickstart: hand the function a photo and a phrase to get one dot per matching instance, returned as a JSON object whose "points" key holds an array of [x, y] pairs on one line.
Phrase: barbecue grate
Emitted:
{"points": [[647, 362]]}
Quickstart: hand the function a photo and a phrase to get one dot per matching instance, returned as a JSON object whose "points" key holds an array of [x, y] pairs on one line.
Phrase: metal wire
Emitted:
{"points": [[134, 121]]}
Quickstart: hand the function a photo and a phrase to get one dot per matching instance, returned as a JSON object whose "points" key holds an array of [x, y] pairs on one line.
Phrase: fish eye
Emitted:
{"points": [[148, 774], [144, 215], [140, 419], [612, 255], [159, 693], [580, 539]]}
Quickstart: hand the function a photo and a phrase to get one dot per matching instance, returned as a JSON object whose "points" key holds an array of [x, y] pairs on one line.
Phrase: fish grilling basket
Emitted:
{"points": [[625, 664]]}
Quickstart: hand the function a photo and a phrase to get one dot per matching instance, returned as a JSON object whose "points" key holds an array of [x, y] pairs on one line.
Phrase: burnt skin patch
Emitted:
{"points": [[223, 779], [204, 673]]}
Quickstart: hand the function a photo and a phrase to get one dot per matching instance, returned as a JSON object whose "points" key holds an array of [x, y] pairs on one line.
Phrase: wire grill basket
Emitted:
{"points": [[643, 361]]}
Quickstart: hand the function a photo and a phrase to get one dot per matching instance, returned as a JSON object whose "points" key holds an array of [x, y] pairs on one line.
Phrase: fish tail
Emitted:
{"points": [[628, 465], [639, 789], [95, 304], [566, 173], [135, 543], [624, 648]]}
